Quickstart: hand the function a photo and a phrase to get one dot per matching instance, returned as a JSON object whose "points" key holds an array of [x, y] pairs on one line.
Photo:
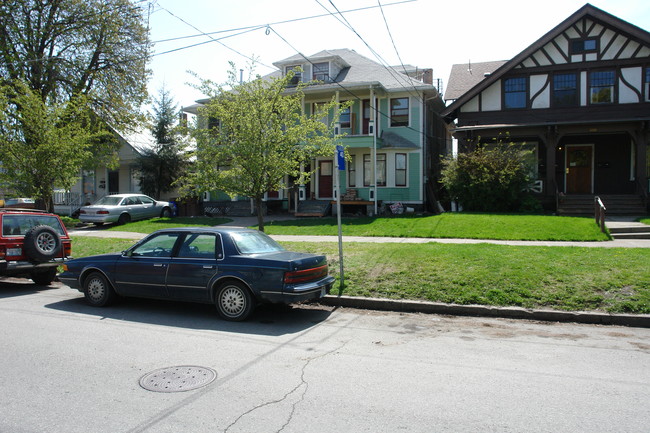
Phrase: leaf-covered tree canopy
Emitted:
{"points": [[253, 135], [69, 70], [63, 48]]}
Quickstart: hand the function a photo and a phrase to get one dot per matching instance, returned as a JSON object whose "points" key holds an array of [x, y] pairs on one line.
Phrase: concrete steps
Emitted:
{"points": [[628, 230], [313, 208], [581, 205]]}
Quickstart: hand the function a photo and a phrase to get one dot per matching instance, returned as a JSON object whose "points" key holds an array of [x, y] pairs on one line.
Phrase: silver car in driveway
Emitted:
{"points": [[123, 208]]}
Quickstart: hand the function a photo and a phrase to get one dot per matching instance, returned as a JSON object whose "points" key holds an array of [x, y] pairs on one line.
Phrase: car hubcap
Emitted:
{"points": [[45, 242], [233, 301], [95, 289]]}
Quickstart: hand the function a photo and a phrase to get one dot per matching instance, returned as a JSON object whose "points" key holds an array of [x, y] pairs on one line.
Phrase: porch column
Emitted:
{"points": [[373, 130], [641, 143], [302, 189], [551, 145]]}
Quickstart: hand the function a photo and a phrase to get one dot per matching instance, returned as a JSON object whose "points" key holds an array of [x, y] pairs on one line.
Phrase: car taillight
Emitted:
{"points": [[295, 277], [82, 211], [102, 212], [67, 249]]}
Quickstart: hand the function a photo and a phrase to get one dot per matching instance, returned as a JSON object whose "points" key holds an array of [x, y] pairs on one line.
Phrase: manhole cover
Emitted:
{"points": [[178, 379]]}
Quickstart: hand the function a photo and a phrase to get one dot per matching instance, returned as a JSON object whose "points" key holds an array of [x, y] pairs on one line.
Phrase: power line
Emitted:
{"points": [[381, 60], [278, 22]]}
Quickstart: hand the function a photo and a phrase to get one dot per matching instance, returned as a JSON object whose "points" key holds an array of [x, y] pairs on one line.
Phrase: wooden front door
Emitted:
{"points": [[325, 179], [579, 169]]}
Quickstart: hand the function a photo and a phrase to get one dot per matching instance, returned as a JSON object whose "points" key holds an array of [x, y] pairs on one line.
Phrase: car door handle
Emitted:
{"points": [[158, 265], [208, 267]]}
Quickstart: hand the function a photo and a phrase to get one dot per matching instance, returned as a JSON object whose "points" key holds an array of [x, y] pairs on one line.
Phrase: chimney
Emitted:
{"points": [[427, 76]]}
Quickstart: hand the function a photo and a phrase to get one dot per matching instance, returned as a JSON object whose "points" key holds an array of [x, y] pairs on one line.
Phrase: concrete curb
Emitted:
{"points": [[591, 318]]}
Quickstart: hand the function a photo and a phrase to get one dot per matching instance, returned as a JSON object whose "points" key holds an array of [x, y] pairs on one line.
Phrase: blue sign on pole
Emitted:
{"points": [[340, 154]]}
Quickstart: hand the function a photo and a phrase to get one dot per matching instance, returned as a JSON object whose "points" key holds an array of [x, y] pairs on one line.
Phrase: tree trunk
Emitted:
{"points": [[260, 213]]}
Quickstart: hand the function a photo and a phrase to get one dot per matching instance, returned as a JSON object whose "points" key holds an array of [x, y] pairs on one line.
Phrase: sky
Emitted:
{"points": [[425, 33]]}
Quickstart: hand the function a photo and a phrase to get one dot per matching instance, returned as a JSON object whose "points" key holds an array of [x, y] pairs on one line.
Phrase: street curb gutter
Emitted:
{"points": [[632, 320]]}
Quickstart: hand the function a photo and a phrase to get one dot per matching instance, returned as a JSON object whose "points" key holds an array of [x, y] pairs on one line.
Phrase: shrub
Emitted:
{"points": [[491, 178]]}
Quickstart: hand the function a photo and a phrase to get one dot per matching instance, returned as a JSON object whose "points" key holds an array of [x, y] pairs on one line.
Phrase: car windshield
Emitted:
{"points": [[18, 225], [254, 243], [108, 200]]}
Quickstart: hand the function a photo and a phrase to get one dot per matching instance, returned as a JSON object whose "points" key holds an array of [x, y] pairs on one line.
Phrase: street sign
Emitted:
{"points": [[340, 154]]}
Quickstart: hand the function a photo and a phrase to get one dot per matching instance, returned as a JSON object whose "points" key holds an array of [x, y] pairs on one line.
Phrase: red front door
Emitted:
{"points": [[579, 169], [325, 179]]}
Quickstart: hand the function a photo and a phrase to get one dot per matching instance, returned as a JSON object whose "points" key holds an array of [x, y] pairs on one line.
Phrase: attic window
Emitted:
{"points": [[321, 71], [297, 73], [581, 46]]}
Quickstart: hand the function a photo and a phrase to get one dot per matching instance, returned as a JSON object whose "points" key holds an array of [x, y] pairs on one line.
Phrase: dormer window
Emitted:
{"points": [[297, 73], [581, 46], [321, 71]]}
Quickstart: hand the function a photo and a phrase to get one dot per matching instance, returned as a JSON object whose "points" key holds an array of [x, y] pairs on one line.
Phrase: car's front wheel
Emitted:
{"points": [[44, 278], [97, 290], [166, 213], [234, 301]]}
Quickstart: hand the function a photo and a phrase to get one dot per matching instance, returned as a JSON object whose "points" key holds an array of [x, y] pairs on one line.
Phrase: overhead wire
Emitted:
{"points": [[347, 90], [399, 77]]}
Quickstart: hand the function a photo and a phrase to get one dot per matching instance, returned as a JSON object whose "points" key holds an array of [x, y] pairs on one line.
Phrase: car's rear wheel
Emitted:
{"points": [[42, 243], [97, 290], [166, 213], [125, 218], [234, 301], [44, 278]]}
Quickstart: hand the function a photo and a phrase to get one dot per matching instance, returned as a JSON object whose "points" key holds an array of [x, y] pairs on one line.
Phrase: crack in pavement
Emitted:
{"points": [[303, 384]]}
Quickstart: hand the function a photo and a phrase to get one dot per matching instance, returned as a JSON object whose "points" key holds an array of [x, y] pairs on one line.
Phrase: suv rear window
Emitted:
{"points": [[18, 225]]}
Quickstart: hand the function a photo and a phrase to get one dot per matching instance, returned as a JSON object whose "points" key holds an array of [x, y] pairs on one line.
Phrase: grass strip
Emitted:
{"points": [[614, 280], [451, 225]]}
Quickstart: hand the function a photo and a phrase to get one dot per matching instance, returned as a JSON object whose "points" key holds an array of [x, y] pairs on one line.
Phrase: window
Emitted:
{"points": [[647, 84], [320, 112], [601, 89], [200, 246], [580, 46], [399, 112], [400, 169], [158, 246], [381, 169], [321, 71], [515, 92], [565, 90], [344, 118], [352, 171], [297, 73]]}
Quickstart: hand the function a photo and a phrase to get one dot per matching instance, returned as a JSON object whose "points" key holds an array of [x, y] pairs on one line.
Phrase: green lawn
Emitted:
{"points": [[645, 220], [151, 225], [451, 225], [562, 278]]}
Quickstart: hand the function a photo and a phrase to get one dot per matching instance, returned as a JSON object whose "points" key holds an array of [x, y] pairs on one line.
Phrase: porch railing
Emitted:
{"points": [[599, 213]]}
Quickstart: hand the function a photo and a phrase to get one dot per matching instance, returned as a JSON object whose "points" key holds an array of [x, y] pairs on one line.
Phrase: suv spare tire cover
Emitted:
{"points": [[42, 243]]}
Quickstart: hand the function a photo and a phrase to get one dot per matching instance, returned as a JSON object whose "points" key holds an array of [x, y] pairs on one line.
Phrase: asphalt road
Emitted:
{"points": [[67, 367]]}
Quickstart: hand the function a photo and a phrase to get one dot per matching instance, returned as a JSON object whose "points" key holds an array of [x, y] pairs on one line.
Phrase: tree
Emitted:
{"points": [[493, 177], [161, 165], [86, 57], [256, 135], [44, 145]]}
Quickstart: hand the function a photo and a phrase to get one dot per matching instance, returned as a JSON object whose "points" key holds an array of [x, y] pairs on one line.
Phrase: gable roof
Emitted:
{"points": [[357, 71], [587, 11], [467, 75]]}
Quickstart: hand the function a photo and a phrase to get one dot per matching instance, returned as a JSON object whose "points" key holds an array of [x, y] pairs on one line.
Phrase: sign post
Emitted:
{"points": [[339, 160]]}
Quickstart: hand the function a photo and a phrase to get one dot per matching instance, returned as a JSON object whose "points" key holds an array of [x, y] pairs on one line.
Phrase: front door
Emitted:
{"points": [[579, 169], [325, 179]]}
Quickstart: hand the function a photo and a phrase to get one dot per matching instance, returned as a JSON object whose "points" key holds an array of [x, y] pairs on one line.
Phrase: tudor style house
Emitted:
{"points": [[580, 96], [393, 133]]}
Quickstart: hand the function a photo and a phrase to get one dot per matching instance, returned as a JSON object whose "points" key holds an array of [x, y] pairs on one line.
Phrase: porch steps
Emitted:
{"points": [[313, 208], [628, 230], [581, 205]]}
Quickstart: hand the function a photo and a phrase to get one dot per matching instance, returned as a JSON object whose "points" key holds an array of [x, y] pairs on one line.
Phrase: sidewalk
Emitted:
{"points": [[252, 221]]}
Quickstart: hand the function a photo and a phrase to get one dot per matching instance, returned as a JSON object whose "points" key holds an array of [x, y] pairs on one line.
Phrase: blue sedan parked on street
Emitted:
{"points": [[234, 268]]}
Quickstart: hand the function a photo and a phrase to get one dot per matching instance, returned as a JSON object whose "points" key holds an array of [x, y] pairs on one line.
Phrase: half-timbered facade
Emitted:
{"points": [[580, 96]]}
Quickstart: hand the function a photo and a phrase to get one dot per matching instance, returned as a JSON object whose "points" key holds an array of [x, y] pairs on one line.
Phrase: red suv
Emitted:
{"points": [[32, 244]]}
